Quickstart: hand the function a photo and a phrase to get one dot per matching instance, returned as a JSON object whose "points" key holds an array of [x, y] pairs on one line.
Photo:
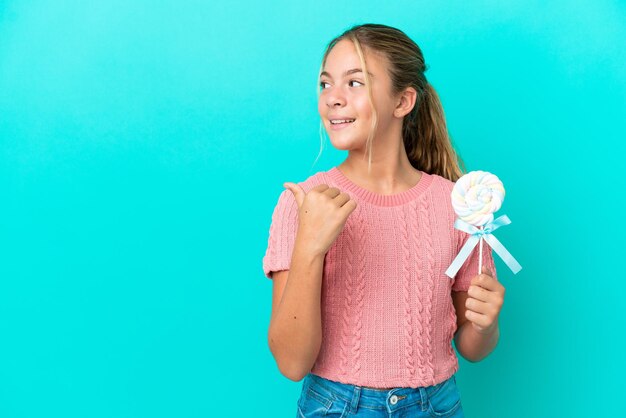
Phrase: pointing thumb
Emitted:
{"points": [[297, 191]]}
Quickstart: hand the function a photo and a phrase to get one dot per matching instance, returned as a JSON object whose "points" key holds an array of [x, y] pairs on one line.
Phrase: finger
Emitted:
{"points": [[478, 306], [342, 198], [297, 191], [349, 207], [485, 281], [494, 299], [320, 187], [479, 293], [478, 318], [332, 191]]}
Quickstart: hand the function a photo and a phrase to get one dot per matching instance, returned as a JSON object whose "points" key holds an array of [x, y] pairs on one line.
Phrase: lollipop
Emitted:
{"points": [[475, 197]]}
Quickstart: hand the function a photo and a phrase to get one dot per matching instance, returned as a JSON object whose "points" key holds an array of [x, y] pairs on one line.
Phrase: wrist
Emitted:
{"points": [[309, 249]]}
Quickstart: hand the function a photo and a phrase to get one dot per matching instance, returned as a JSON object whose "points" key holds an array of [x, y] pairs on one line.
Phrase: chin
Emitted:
{"points": [[348, 146], [342, 145]]}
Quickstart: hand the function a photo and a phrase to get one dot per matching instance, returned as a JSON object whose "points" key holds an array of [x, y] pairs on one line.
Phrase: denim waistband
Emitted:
{"points": [[363, 397]]}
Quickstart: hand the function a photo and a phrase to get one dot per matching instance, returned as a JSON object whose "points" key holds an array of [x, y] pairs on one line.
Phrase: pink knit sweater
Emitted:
{"points": [[387, 313]]}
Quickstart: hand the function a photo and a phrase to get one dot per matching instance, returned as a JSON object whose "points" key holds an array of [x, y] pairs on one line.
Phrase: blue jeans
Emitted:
{"points": [[321, 397]]}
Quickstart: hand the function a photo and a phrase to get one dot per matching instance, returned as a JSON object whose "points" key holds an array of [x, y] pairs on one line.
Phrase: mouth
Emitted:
{"points": [[340, 123]]}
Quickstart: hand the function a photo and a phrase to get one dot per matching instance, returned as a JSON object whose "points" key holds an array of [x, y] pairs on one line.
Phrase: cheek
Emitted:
{"points": [[363, 107], [385, 112]]}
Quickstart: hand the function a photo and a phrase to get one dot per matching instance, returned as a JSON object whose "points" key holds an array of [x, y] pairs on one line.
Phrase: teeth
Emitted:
{"points": [[341, 121]]}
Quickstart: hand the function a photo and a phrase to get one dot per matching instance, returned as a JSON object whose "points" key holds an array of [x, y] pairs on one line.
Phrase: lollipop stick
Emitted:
{"points": [[480, 255]]}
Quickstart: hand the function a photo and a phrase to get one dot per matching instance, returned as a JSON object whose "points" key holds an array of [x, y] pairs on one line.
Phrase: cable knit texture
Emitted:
{"points": [[387, 314]]}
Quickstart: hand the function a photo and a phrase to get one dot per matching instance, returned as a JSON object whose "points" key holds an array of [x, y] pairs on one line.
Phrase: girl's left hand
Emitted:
{"points": [[484, 302]]}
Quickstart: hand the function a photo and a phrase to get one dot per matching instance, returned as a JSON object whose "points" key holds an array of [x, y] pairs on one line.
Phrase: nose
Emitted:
{"points": [[335, 98]]}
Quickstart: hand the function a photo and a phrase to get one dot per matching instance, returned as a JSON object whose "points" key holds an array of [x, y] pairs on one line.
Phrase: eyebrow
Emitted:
{"points": [[352, 71]]}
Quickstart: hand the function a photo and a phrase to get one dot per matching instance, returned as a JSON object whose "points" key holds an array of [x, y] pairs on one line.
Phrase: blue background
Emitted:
{"points": [[143, 146]]}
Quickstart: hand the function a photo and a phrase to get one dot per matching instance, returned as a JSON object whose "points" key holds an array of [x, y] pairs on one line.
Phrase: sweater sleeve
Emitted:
{"points": [[282, 234], [469, 269]]}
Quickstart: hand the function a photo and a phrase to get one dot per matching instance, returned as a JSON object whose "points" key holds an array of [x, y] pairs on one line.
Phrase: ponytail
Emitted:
{"points": [[426, 138]]}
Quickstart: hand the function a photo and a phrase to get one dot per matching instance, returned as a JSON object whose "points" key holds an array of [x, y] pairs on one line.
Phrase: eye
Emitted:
{"points": [[322, 84], [356, 81]]}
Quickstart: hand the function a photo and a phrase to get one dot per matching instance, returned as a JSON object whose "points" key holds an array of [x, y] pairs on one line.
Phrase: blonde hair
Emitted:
{"points": [[424, 132]]}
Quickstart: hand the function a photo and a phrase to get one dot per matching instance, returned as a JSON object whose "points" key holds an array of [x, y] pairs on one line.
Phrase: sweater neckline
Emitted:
{"points": [[395, 199]]}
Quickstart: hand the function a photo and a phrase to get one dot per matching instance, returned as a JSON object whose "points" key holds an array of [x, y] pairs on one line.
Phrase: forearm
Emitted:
{"points": [[295, 333], [474, 346]]}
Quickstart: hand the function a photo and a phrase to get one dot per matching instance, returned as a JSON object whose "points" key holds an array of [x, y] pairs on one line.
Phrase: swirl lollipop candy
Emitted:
{"points": [[475, 197]]}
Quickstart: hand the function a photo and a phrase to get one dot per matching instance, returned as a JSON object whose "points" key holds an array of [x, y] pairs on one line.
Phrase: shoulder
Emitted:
{"points": [[443, 182], [441, 187], [441, 190]]}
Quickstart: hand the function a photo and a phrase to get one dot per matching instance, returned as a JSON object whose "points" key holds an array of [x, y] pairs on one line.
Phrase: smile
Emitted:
{"points": [[340, 123]]}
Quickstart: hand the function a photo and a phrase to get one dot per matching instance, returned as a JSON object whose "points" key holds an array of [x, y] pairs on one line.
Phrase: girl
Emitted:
{"points": [[362, 308]]}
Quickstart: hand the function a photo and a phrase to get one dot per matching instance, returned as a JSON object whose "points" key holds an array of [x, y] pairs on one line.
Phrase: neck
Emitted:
{"points": [[390, 170]]}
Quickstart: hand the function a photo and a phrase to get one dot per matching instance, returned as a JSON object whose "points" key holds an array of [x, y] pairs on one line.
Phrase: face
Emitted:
{"points": [[344, 96]]}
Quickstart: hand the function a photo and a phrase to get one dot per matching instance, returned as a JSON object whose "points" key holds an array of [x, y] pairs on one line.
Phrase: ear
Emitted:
{"points": [[406, 102]]}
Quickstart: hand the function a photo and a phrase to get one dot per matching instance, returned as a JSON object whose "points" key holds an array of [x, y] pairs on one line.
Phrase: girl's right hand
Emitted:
{"points": [[322, 214]]}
